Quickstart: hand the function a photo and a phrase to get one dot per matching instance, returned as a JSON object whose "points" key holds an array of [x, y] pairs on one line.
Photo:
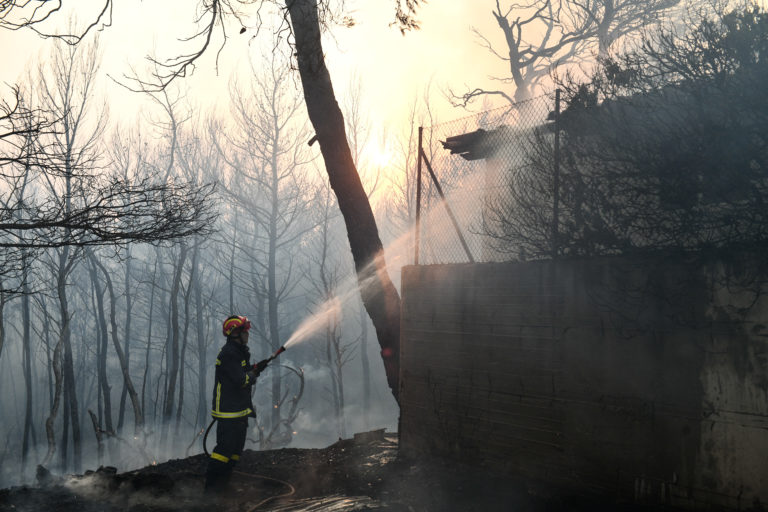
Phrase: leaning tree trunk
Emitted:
{"points": [[56, 392], [122, 355], [106, 389], [173, 356], [379, 294], [127, 348]]}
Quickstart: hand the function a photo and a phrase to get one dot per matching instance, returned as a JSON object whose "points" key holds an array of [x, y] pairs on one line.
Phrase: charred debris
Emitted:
{"points": [[362, 473]]}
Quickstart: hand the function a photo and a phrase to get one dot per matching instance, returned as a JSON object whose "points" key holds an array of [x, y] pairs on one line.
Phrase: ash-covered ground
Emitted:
{"points": [[363, 473]]}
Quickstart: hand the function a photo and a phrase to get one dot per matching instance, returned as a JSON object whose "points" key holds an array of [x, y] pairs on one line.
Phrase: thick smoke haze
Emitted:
{"points": [[107, 350]]}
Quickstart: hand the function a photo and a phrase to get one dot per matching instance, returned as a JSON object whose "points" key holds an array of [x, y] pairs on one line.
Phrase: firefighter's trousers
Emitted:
{"points": [[230, 439]]}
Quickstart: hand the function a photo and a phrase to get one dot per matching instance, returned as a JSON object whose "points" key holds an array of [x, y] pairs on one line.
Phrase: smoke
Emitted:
{"points": [[321, 429], [183, 492]]}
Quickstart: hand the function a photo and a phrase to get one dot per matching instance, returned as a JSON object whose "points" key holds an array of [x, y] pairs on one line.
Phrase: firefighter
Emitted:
{"points": [[232, 405]]}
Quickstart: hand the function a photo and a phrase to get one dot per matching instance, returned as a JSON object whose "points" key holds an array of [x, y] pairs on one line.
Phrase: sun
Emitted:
{"points": [[380, 156]]}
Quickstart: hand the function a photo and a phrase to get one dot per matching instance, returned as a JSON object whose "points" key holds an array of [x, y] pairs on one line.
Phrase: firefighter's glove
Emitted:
{"points": [[252, 374], [260, 366]]}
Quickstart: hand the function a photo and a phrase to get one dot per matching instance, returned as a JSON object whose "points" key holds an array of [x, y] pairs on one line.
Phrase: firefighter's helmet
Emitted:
{"points": [[234, 324]]}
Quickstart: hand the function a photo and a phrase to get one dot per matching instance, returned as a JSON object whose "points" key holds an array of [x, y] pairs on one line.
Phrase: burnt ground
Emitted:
{"points": [[363, 473]]}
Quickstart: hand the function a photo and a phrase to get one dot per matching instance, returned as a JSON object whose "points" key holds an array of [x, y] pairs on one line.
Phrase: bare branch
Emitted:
{"points": [[32, 14]]}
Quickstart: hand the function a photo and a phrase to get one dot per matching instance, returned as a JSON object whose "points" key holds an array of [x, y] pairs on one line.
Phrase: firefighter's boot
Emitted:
{"points": [[217, 476]]}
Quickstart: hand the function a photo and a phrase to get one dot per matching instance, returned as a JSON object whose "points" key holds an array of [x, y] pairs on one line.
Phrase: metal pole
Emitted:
{"points": [[448, 208], [556, 185], [418, 199]]}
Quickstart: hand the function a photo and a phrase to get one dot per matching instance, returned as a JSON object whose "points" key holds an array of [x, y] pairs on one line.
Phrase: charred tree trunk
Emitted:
{"points": [[379, 294], [184, 343], [127, 349], [99, 437], [27, 362], [99, 389], [122, 356], [149, 341], [55, 387], [330, 332], [272, 292], [106, 389], [335, 360], [202, 402], [173, 356], [70, 395], [64, 427]]}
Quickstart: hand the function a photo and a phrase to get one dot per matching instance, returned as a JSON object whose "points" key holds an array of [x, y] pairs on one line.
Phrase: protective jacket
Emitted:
{"points": [[232, 389]]}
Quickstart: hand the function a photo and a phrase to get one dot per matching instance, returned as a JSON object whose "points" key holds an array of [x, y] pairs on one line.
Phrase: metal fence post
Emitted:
{"points": [[556, 184], [418, 200], [447, 208]]}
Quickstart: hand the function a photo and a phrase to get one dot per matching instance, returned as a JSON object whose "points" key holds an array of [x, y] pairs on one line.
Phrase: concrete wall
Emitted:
{"points": [[635, 380]]}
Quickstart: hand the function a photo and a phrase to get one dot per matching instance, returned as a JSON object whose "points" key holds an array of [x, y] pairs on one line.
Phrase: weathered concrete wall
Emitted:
{"points": [[640, 380]]}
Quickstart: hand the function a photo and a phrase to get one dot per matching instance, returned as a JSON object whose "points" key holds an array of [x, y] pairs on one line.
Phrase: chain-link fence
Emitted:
{"points": [[467, 169]]}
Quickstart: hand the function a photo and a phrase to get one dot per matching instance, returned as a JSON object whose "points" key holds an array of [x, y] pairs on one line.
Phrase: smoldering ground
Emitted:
{"points": [[361, 473]]}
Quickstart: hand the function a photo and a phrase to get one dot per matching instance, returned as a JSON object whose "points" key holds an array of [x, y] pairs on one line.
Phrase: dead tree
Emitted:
{"points": [[98, 432], [122, 355], [333, 349], [73, 151], [266, 153], [150, 325], [103, 380], [174, 357], [305, 18], [199, 162], [545, 34], [21, 128], [378, 292], [27, 364], [34, 14], [127, 159], [79, 207]]}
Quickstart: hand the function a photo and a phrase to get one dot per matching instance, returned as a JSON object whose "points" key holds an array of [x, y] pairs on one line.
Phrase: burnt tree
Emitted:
{"points": [[305, 17], [378, 292]]}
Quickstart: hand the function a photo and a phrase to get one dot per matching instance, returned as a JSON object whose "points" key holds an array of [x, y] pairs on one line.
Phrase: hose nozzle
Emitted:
{"points": [[277, 353]]}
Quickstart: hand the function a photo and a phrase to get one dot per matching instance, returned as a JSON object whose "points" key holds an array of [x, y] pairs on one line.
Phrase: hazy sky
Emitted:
{"points": [[394, 69]]}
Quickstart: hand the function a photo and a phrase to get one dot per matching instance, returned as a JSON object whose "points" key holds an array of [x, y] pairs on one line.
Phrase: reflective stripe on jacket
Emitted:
{"points": [[232, 389]]}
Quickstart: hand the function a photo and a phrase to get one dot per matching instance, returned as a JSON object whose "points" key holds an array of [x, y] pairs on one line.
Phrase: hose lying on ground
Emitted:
{"points": [[263, 477]]}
